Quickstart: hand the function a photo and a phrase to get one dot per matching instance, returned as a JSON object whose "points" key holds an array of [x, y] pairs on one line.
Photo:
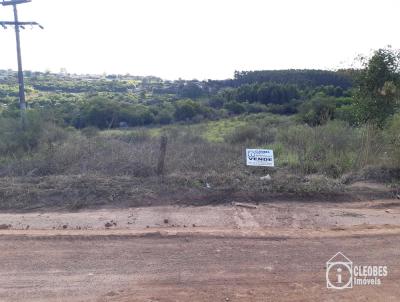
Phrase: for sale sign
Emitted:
{"points": [[260, 157]]}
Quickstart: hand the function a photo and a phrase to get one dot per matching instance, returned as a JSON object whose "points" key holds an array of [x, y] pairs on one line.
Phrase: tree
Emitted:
{"points": [[164, 117], [99, 112], [378, 87], [191, 90], [186, 109], [136, 115], [318, 110]]}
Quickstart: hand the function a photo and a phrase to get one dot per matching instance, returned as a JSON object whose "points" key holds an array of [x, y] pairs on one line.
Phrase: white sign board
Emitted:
{"points": [[260, 157]]}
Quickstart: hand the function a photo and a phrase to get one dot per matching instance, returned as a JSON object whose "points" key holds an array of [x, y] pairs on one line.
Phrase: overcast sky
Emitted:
{"points": [[198, 38]]}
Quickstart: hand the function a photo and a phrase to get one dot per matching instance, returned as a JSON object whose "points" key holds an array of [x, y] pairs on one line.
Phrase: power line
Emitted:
{"points": [[17, 25]]}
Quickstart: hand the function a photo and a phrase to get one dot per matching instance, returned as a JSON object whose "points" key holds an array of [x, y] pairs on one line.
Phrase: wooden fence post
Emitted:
{"points": [[161, 159]]}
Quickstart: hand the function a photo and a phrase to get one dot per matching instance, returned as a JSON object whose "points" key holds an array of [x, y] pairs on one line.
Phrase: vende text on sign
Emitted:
{"points": [[260, 157]]}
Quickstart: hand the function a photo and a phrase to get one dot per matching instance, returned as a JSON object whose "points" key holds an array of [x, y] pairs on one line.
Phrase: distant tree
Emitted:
{"points": [[136, 115], [378, 87], [164, 117], [267, 93], [191, 90], [311, 78], [186, 109], [235, 107], [228, 94], [216, 101], [100, 112]]}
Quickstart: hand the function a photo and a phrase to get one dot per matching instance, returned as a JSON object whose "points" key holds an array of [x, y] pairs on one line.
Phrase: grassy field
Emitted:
{"points": [[333, 149], [204, 162]]}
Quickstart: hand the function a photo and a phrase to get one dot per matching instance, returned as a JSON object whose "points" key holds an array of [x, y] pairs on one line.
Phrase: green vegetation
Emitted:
{"points": [[112, 102], [377, 96], [326, 124]]}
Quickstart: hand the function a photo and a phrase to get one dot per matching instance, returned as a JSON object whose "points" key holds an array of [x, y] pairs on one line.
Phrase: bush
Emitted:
{"points": [[99, 112], [136, 115], [17, 140], [235, 107], [129, 136], [243, 134], [285, 109], [392, 136], [318, 111], [347, 114], [78, 154], [332, 149], [186, 109], [90, 131], [107, 113], [164, 117], [216, 102], [255, 108]]}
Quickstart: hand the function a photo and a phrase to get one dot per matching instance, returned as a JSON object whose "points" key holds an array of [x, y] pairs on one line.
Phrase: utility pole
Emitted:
{"points": [[17, 25]]}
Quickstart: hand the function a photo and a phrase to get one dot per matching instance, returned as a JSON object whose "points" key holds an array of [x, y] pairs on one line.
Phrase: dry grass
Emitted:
{"points": [[72, 169]]}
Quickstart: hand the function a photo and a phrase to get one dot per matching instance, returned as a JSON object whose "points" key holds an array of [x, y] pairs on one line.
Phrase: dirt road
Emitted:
{"points": [[250, 254]]}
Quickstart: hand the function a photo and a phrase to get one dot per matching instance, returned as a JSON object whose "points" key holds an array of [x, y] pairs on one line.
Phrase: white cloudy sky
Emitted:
{"points": [[198, 38]]}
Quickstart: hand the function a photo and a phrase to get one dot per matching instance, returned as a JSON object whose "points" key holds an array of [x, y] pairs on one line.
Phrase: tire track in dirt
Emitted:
{"points": [[188, 268]]}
